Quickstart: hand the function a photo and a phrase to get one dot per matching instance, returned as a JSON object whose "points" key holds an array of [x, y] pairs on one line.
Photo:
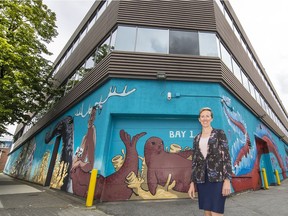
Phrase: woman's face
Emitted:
{"points": [[205, 118]]}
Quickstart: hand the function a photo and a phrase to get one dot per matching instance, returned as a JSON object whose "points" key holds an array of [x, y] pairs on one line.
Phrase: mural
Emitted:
{"points": [[42, 169], [163, 174], [246, 157], [143, 155], [83, 160], [21, 167], [65, 130]]}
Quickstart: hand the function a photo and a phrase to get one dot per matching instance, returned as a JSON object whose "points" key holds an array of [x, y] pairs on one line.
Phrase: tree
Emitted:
{"points": [[26, 27]]}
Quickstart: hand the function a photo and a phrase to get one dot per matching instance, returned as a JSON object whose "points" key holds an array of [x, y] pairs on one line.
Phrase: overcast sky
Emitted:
{"points": [[266, 25], [264, 21]]}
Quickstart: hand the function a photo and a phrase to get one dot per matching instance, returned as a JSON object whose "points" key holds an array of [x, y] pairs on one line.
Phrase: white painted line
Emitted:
{"points": [[1, 206]]}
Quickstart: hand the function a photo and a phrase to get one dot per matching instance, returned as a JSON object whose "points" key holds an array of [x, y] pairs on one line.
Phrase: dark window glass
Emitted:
{"points": [[183, 42]]}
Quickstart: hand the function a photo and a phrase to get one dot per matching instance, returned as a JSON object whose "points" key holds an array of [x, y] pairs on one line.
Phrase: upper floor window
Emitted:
{"points": [[152, 40], [208, 44], [183, 42], [125, 39], [226, 57]]}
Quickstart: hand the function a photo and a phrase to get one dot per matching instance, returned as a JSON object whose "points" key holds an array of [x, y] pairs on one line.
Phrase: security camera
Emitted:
{"points": [[169, 96]]}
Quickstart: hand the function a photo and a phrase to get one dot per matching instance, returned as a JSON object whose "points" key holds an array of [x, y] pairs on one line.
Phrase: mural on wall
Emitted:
{"points": [[40, 172], [276, 158], [286, 157], [164, 174], [21, 167], [141, 156], [245, 155], [83, 159], [64, 129], [72, 170]]}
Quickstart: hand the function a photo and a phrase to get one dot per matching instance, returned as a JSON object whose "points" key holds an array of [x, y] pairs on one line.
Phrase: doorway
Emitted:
{"points": [[262, 161]]}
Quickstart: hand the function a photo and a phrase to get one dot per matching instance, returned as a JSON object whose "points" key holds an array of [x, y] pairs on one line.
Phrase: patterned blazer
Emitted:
{"points": [[217, 162]]}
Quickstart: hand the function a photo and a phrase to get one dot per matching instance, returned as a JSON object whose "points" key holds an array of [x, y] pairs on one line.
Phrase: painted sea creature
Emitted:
{"points": [[161, 164]]}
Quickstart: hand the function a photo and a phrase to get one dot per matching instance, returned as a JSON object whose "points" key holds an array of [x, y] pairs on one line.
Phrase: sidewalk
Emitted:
{"points": [[20, 198], [272, 202]]}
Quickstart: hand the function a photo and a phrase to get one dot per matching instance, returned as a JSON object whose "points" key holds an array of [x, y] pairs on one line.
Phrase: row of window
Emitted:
{"points": [[249, 86], [237, 33], [152, 40], [168, 41], [98, 12]]}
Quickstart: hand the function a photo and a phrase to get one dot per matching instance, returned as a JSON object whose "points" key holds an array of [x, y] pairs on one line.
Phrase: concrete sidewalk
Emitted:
{"points": [[272, 202], [19, 198]]}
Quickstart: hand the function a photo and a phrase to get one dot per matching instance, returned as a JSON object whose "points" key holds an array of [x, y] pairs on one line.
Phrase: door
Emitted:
{"points": [[262, 161]]}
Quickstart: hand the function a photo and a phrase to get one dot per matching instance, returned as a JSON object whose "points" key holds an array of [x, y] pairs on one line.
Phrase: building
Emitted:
{"points": [[5, 146], [136, 74]]}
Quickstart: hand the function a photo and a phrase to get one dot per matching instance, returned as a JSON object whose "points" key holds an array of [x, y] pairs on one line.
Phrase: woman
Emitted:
{"points": [[211, 167]]}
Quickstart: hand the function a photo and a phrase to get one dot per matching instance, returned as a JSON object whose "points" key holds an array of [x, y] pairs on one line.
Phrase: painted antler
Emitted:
{"points": [[99, 104], [113, 92]]}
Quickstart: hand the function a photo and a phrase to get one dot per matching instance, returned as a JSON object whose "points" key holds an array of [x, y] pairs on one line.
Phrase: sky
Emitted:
{"points": [[266, 25], [264, 21]]}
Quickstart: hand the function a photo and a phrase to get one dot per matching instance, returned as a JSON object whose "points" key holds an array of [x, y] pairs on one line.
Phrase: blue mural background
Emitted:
{"points": [[142, 105]]}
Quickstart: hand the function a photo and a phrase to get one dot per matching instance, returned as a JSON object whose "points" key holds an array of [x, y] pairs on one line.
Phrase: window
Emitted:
{"points": [[225, 56], [108, 2], [245, 82], [125, 39], [103, 50], [220, 5], [237, 33], [208, 44], [82, 35], [218, 47], [101, 10], [92, 21], [261, 101], [252, 89], [90, 62], [257, 96], [152, 40], [113, 39], [183, 42], [70, 83], [80, 73], [229, 19], [237, 71]]}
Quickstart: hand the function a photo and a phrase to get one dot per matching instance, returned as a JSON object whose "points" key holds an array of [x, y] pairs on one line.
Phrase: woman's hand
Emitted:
{"points": [[226, 189], [191, 191]]}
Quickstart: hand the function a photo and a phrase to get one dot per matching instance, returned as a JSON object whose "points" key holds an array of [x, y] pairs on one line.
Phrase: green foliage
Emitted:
{"points": [[102, 52], [26, 27]]}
